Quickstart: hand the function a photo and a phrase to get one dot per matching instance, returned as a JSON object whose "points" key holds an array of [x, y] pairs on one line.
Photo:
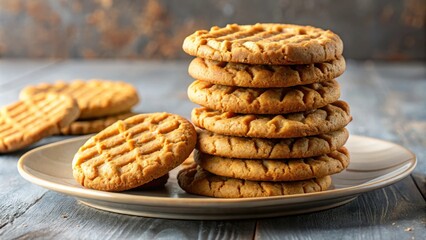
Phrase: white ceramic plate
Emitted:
{"points": [[374, 164]]}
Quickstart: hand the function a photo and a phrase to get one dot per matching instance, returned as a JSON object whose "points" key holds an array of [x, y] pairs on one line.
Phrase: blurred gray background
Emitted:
{"points": [[155, 29]]}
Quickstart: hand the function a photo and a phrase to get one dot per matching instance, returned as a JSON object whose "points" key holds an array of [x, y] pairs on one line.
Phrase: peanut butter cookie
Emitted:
{"points": [[263, 100], [322, 120], [96, 98], [195, 180], [258, 148], [265, 43], [264, 76], [274, 169], [133, 152], [27, 121]]}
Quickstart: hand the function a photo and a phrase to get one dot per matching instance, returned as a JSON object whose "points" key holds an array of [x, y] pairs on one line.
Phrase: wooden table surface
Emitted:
{"points": [[388, 101]]}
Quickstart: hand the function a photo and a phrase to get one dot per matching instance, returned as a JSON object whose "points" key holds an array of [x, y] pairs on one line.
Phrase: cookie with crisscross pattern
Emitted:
{"points": [[265, 43], [27, 121], [96, 98], [133, 152]]}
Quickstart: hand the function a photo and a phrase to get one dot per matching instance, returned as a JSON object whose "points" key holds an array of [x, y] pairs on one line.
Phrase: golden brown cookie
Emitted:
{"points": [[275, 170], [265, 43], [323, 120], [263, 100], [133, 152], [27, 121], [258, 148], [264, 76], [96, 98], [195, 180], [89, 126]]}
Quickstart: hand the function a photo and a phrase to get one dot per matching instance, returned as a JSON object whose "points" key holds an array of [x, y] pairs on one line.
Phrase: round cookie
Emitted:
{"points": [[265, 43], [323, 120], [89, 126], [27, 121], [275, 170], [264, 76], [263, 148], [263, 100], [133, 152], [195, 180], [96, 98]]}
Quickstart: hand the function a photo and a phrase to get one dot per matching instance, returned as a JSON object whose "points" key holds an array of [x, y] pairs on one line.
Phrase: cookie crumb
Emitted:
{"points": [[409, 229]]}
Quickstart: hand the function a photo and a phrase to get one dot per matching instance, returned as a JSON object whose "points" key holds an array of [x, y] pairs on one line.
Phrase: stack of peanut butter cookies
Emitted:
{"points": [[271, 122]]}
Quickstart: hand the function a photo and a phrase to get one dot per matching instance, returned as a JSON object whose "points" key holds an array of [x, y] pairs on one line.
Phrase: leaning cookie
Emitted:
{"points": [[133, 152], [82, 127], [27, 121], [264, 76], [264, 148], [195, 180], [96, 98], [275, 169]]}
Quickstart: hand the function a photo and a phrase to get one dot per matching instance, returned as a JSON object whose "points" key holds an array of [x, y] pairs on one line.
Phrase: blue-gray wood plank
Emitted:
{"points": [[387, 102]]}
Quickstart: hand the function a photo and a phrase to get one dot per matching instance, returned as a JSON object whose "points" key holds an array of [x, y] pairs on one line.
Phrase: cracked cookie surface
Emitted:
{"points": [[96, 98], [275, 169], [133, 152], [258, 148], [263, 100], [264, 76], [265, 43], [330, 118], [27, 121], [195, 180]]}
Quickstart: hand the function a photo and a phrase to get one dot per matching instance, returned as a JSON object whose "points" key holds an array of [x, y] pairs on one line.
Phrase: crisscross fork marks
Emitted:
{"points": [[96, 98], [261, 35], [29, 120]]}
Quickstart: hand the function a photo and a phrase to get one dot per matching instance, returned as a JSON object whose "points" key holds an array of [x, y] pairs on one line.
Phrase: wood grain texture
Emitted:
{"points": [[58, 216], [382, 214], [387, 102]]}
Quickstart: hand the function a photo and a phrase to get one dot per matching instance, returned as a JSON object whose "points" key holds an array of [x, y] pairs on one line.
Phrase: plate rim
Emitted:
{"points": [[208, 201]]}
